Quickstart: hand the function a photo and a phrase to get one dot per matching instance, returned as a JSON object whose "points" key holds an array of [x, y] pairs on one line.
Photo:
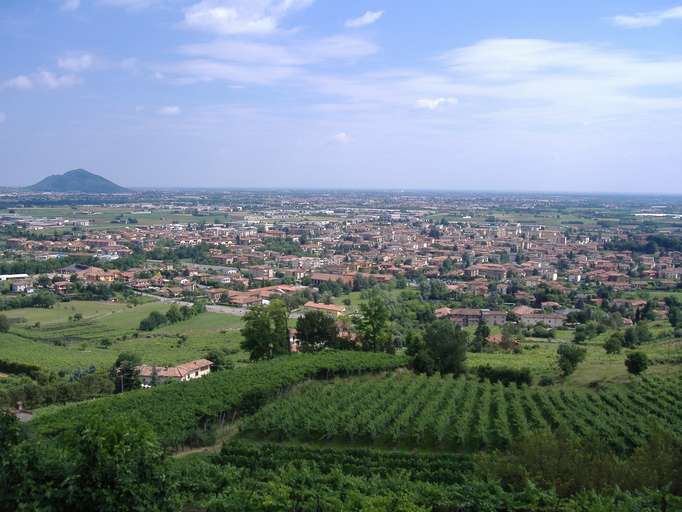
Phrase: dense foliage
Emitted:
{"points": [[266, 477], [266, 331], [174, 315]]}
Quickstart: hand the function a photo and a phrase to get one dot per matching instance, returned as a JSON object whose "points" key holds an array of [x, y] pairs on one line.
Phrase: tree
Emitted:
{"points": [[424, 363], [636, 362], [109, 465], [220, 359], [570, 356], [316, 329], [480, 336], [4, 324], [414, 343], [372, 324], [510, 334], [631, 338], [10, 431], [155, 376], [482, 329], [614, 344], [152, 321], [675, 316], [125, 373], [446, 343], [265, 331], [173, 314]]}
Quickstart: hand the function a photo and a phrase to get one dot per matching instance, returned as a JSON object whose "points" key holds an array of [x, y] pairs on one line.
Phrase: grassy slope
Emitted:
{"points": [[116, 323]]}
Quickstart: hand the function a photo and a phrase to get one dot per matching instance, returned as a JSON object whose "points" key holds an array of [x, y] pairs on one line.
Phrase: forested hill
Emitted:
{"points": [[78, 180]]}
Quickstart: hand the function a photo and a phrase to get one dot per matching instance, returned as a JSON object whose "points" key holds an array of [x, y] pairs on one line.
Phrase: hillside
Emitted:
{"points": [[78, 180]]}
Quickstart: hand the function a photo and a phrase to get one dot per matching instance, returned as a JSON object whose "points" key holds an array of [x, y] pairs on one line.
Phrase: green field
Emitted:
{"points": [[62, 344], [100, 217], [541, 358]]}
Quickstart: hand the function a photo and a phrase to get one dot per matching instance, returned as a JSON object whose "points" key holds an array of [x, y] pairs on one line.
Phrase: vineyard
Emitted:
{"points": [[263, 476], [443, 468], [460, 414], [176, 411]]}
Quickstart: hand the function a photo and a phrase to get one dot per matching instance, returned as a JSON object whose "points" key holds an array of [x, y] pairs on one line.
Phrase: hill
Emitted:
{"points": [[78, 180]]}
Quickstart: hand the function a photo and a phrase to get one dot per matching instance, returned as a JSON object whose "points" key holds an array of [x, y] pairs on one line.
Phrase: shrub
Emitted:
{"points": [[546, 380], [505, 375], [569, 357], [636, 362], [614, 344]]}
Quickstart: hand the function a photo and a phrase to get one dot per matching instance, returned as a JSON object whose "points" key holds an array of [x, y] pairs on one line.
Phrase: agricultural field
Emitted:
{"points": [[540, 356], [443, 413], [49, 339], [102, 217]]}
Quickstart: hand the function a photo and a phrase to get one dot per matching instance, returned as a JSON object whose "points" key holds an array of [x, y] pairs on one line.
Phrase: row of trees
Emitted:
{"points": [[174, 314]]}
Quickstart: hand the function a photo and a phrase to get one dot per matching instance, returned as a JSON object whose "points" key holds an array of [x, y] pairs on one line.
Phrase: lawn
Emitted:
{"points": [[62, 344], [102, 217], [541, 357]]}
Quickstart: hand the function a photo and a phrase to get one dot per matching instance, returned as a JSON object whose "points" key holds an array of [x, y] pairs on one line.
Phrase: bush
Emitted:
{"points": [[569, 357], [546, 380], [505, 375], [636, 362], [154, 320], [614, 344]]}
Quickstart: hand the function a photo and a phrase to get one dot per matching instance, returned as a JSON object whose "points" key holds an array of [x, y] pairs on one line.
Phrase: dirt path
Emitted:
{"points": [[223, 435]]}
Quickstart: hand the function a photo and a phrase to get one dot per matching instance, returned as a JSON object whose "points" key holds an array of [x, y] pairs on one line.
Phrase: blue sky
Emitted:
{"points": [[542, 95]]}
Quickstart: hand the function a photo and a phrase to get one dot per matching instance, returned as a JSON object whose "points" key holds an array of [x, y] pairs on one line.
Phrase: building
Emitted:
{"points": [[183, 372], [549, 319], [22, 286], [6, 277], [466, 317], [332, 309]]}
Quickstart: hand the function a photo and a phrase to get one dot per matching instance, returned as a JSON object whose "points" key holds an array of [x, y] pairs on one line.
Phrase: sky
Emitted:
{"points": [[518, 95]]}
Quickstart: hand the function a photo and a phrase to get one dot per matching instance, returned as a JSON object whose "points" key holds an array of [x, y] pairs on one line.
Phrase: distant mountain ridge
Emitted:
{"points": [[78, 180]]}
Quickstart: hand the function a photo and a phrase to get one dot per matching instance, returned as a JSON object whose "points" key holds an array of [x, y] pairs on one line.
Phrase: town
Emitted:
{"points": [[318, 256]]}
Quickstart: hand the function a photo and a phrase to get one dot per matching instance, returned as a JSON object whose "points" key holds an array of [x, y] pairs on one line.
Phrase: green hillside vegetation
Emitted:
{"points": [[443, 413], [107, 329], [595, 451]]}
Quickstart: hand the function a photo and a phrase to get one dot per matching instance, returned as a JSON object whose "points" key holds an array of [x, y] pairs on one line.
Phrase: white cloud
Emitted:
{"points": [[129, 4], [648, 19], [534, 82], [40, 79], [70, 5], [366, 19], [76, 62], [170, 110], [20, 83], [341, 138], [229, 17], [295, 54], [203, 70], [53, 81], [435, 103], [240, 61]]}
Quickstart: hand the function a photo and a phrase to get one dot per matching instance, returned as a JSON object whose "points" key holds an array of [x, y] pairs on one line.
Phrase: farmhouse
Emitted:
{"points": [[183, 372], [332, 309]]}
